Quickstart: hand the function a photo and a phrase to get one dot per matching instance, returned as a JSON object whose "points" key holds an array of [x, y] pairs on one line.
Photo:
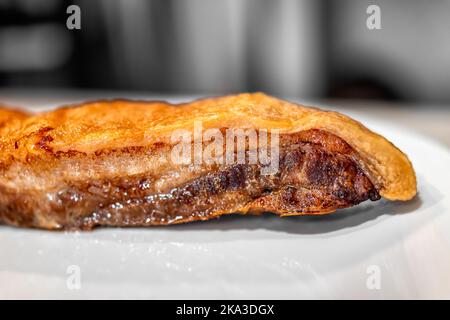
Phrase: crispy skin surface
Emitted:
{"points": [[105, 163], [10, 120]]}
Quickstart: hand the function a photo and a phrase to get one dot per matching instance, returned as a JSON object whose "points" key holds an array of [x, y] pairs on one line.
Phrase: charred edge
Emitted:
{"points": [[44, 139]]}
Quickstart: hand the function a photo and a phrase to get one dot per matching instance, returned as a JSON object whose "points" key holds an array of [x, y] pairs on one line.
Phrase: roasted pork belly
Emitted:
{"points": [[110, 163]]}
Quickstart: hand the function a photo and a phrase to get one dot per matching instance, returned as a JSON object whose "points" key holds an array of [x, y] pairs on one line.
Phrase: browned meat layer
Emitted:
{"points": [[318, 173]]}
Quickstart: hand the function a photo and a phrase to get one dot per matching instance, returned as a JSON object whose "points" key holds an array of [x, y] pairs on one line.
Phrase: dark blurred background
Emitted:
{"points": [[295, 48]]}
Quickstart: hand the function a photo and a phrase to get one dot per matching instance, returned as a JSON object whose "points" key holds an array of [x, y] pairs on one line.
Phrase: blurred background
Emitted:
{"points": [[306, 49]]}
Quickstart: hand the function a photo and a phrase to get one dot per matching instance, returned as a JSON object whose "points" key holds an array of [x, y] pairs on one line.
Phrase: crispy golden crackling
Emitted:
{"points": [[106, 125]]}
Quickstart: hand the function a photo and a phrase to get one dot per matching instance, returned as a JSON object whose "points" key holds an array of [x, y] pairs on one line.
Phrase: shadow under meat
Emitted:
{"points": [[308, 224]]}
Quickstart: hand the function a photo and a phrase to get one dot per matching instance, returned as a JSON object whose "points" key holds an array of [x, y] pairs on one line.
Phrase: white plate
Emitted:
{"points": [[375, 250]]}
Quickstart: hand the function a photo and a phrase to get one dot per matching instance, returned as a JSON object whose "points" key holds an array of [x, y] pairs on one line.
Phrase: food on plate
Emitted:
{"points": [[136, 163]]}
